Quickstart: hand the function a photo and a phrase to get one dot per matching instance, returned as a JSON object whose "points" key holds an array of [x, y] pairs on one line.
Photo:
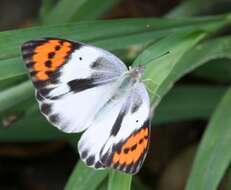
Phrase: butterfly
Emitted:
{"points": [[82, 88]]}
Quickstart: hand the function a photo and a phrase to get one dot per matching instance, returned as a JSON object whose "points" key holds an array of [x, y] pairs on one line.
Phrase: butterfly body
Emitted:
{"points": [[83, 88]]}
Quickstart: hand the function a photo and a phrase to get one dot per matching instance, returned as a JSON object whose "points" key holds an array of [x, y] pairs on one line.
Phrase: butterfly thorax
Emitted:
{"points": [[129, 80], [136, 72]]}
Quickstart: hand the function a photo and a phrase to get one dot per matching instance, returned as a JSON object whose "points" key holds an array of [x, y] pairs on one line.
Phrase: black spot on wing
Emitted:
{"points": [[78, 45], [79, 85], [38, 84], [106, 159], [126, 150], [117, 125], [103, 64], [51, 55], [44, 91], [48, 63], [96, 64], [137, 102], [57, 48], [98, 165], [135, 107], [90, 160], [133, 147], [45, 108], [39, 97], [54, 118], [84, 154], [128, 168]]}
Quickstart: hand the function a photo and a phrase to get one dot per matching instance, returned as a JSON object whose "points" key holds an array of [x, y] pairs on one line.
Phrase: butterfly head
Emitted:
{"points": [[137, 72]]}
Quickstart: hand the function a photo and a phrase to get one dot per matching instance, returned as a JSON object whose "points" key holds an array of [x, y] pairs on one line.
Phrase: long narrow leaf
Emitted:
{"points": [[215, 70], [118, 180], [85, 178], [157, 70], [14, 95], [214, 154], [191, 8], [63, 11], [46, 7], [89, 11], [202, 53], [188, 103]]}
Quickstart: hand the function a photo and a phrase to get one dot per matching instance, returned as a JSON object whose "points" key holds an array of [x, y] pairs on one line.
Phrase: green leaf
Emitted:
{"points": [[215, 70], [89, 11], [11, 68], [138, 184], [119, 180], [214, 153], [14, 95], [191, 8], [85, 178], [31, 126], [46, 7], [201, 54], [158, 69], [63, 11], [229, 178], [196, 102], [72, 10], [10, 82]]}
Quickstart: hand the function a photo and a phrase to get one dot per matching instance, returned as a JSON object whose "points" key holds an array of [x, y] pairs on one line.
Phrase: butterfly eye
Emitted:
{"points": [[80, 58], [137, 121]]}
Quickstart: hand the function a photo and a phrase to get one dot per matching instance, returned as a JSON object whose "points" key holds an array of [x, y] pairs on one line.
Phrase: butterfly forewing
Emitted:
{"points": [[78, 80]]}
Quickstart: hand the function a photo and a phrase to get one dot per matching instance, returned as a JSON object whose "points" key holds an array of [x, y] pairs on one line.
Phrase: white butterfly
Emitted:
{"points": [[84, 88]]}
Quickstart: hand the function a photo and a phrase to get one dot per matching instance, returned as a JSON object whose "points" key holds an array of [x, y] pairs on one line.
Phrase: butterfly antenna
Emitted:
{"points": [[142, 53], [165, 53], [159, 56]]}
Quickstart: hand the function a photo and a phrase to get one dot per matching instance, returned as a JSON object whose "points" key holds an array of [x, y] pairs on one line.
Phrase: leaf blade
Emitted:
{"points": [[214, 153], [119, 180], [85, 178]]}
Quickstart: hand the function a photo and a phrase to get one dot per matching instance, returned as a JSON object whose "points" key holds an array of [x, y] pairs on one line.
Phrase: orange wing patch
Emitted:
{"points": [[49, 56], [133, 149]]}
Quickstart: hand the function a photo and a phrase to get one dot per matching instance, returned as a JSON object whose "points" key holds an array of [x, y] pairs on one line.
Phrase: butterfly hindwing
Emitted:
{"points": [[95, 137], [127, 148], [79, 80], [124, 134]]}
